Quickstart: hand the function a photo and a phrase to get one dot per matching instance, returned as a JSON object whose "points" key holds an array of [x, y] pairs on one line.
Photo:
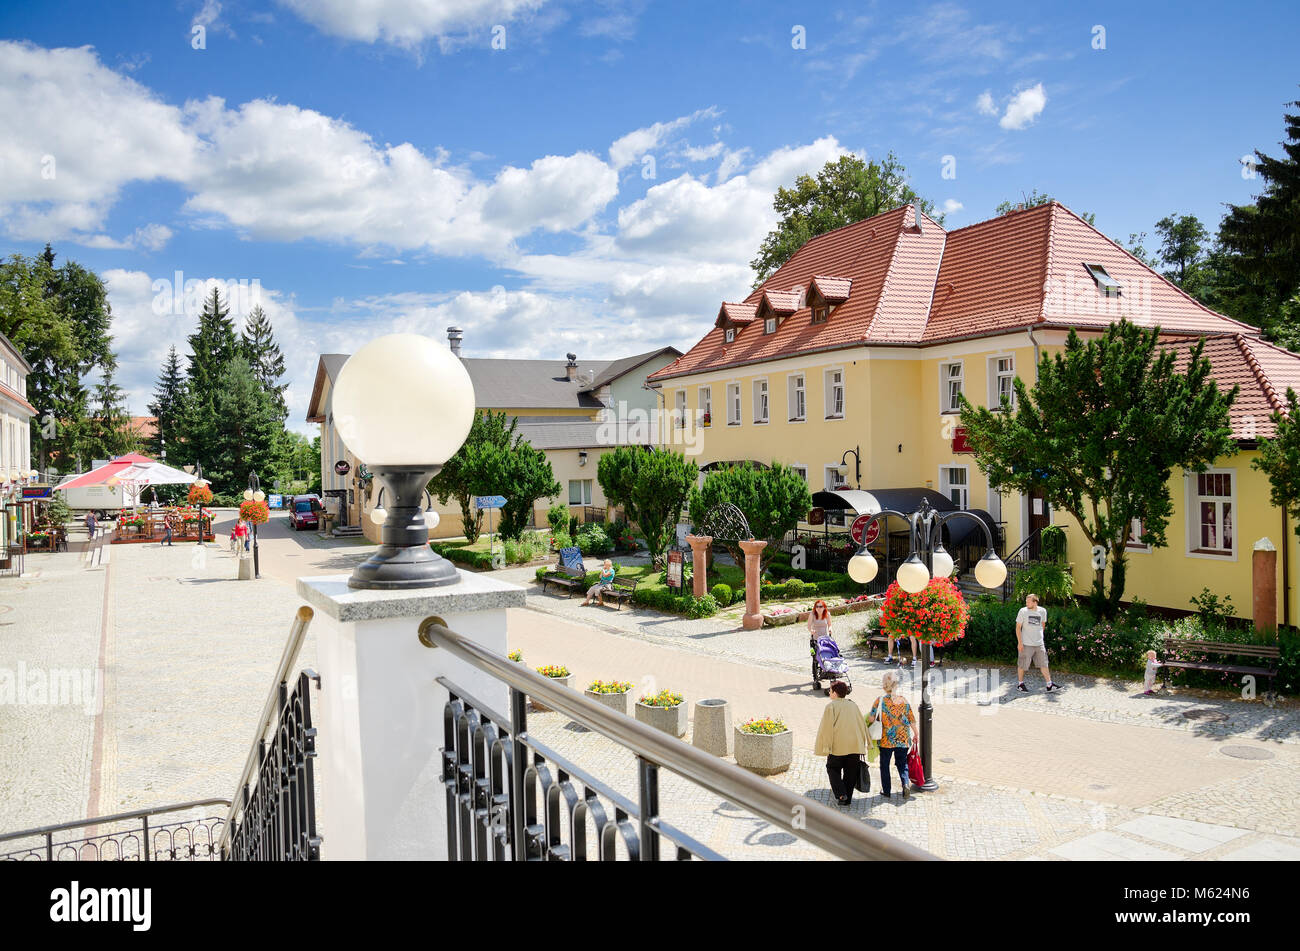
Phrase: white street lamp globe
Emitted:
{"points": [[913, 576], [14, 475], [942, 562], [863, 567], [378, 515], [259, 496], [403, 400], [431, 518], [990, 571], [248, 495], [32, 476]]}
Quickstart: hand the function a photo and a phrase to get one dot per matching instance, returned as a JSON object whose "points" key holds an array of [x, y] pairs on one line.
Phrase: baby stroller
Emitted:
{"points": [[827, 664]]}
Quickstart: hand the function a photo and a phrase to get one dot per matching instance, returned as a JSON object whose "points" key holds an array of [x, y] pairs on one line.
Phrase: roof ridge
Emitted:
{"points": [[1260, 376], [1048, 258], [884, 282]]}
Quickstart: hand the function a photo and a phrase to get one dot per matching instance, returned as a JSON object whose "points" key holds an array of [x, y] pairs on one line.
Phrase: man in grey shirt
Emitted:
{"points": [[1031, 625]]}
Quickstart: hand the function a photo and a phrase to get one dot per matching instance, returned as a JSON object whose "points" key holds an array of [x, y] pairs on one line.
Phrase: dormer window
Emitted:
{"points": [[1105, 283], [731, 334], [819, 314], [769, 325]]}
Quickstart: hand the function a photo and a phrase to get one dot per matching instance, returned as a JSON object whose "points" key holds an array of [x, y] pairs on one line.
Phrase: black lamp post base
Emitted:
{"points": [[394, 568]]}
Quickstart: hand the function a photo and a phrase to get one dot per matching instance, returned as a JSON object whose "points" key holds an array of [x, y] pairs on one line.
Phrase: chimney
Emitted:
{"points": [[571, 368], [916, 217], [453, 339]]}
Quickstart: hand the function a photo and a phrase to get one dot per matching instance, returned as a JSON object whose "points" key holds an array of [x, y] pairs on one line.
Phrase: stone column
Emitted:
{"points": [[379, 712], [1264, 585], [753, 552], [700, 562]]}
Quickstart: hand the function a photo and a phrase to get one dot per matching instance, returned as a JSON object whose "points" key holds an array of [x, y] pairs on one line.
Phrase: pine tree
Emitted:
{"points": [[110, 432], [166, 407], [264, 356], [249, 438]]}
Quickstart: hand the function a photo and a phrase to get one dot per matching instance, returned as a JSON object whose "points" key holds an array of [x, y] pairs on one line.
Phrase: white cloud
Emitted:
{"points": [[556, 193], [151, 237], [629, 148], [985, 106], [1024, 108], [405, 23], [952, 206]]}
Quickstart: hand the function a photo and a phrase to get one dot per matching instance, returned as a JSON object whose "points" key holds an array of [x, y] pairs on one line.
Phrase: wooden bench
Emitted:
{"points": [[1266, 654], [900, 644], [621, 590], [572, 576]]}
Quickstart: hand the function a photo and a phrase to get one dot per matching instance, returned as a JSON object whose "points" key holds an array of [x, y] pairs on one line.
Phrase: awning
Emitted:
{"points": [[863, 502], [966, 531], [131, 468]]}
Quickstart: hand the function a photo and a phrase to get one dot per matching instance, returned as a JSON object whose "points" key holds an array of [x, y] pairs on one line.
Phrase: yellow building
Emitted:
{"points": [[569, 409], [862, 340]]}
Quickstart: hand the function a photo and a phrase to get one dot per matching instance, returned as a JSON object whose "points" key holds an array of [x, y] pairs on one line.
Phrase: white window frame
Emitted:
{"points": [[679, 400], [1194, 499], [828, 387], [769, 325], [762, 401], [994, 390], [796, 393], [824, 310], [734, 404], [1132, 542], [802, 469], [584, 491], [706, 405], [729, 335], [946, 487], [945, 402], [837, 468]]}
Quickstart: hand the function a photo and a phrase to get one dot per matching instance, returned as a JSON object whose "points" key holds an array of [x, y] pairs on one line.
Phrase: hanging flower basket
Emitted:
{"points": [[936, 615], [199, 495], [258, 513]]}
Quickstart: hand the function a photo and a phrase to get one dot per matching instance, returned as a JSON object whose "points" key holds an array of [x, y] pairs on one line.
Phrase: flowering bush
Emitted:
{"points": [[554, 671], [780, 609], [935, 615], [664, 698], [258, 513], [199, 494], [609, 686], [768, 726]]}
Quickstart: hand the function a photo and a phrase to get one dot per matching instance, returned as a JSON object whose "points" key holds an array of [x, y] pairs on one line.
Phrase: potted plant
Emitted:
{"points": [[664, 710], [254, 512], [612, 693], [708, 420], [557, 672], [516, 655], [937, 614], [764, 745], [199, 494]]}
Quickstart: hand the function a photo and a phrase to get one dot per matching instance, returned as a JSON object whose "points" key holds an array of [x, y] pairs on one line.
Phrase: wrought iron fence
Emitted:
{"points": [[273, 818], [183, 840], [511, 797]]}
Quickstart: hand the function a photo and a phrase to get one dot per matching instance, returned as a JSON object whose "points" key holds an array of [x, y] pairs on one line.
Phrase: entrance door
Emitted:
{"points": [[1039, 518]]}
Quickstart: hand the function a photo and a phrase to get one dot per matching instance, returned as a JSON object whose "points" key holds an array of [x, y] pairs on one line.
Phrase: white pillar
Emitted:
{"points": [[379, 712]]}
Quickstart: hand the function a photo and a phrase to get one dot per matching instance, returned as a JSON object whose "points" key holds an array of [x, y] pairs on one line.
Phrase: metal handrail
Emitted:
{"points": [[297, 634], [1023, 545], [823, 827], [119, 817]]}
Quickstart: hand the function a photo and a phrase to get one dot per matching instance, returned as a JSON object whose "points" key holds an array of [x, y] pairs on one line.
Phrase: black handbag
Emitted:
{"points": [[863, 782]]}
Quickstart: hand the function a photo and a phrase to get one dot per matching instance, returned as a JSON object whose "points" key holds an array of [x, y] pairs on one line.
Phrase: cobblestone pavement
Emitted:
{"points": [[959, 820]]}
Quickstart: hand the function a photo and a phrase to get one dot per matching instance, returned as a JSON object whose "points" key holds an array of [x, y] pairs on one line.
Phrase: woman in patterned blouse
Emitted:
{"points": [[897, 721]]}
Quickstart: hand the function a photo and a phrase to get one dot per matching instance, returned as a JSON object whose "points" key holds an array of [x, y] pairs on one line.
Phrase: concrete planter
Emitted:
{"points": [[712, 727], [764, 754], [558, 681], [672, 720], [615, 701]]}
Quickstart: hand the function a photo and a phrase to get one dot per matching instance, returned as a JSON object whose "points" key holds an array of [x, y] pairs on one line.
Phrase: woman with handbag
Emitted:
{"points": [[892, 723], [842, 739]]}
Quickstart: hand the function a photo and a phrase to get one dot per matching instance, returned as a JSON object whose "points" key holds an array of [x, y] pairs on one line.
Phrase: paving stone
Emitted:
{"points": [[1107, 846], [1181, 833]]}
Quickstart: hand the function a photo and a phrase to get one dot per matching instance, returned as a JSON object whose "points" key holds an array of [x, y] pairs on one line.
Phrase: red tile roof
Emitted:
{"points": [[916, 287], [735, 313], [1262, 370]]}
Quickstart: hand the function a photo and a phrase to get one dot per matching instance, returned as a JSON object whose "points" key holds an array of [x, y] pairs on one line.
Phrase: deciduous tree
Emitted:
{"points": [[653, 485], [773, 502], [1099, 435], [1279, 459]]}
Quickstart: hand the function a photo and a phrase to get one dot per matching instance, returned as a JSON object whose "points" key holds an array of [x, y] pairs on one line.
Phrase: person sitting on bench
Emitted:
{"points": [[606, 581]]}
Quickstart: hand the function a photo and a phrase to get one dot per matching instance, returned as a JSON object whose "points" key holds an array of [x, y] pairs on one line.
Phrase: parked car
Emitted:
{"points": [[304, 512]]}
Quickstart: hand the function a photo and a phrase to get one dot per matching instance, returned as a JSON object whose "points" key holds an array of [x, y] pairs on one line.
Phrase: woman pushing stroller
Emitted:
{"points": [[827, 664]]}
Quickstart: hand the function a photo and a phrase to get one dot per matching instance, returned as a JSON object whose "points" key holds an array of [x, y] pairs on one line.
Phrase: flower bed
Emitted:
{"points": [[665, 711], [764, 745]]}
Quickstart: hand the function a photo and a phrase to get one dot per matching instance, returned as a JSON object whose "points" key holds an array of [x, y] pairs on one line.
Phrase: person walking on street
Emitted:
{"points": [[90, 525], [842, 739], [898, 724], [819, 622], [167, 528], [1031, 626]]}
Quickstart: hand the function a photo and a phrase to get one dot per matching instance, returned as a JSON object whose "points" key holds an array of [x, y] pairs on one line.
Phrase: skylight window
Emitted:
{"points": [[1107, 284]]}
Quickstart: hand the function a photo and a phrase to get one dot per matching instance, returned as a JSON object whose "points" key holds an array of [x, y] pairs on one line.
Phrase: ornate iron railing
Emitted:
{"points": [[1023, 554], [186, 840], [275, 819], [511, 797]]}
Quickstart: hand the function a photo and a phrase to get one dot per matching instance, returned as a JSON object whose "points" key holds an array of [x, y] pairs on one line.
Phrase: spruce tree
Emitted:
{"points": [[264, 356], [110, 430], [212, 346], [166, 408], [249, 437]]}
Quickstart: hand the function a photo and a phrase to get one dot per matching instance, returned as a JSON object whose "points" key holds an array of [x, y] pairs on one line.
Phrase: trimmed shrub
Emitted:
{"points": [[702, 607], [592, 540], [722, 594], [557, 516]]}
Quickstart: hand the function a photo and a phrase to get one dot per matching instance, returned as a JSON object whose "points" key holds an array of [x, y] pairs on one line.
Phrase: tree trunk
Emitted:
{"points": [[1118, 571]]}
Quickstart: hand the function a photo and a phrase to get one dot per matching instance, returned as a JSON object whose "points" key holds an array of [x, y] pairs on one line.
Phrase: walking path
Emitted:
{"points": [[186, 654]]}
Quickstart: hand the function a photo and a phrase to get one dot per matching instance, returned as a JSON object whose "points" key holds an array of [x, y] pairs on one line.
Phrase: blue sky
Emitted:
{"points": [[601, 182]]}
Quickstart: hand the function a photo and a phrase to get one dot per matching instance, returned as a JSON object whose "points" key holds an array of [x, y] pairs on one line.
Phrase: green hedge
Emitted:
{"points": [[461, 555]]}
